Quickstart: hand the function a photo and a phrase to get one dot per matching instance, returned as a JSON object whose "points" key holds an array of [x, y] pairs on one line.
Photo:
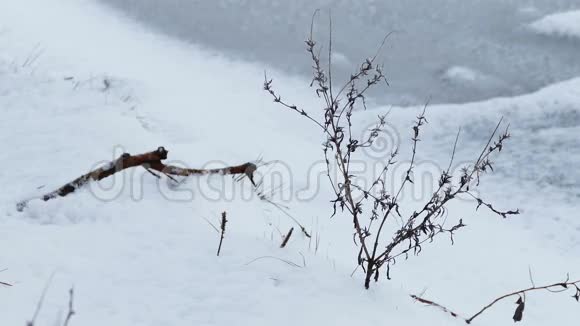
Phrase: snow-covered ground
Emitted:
{"points": [[79, 84]]}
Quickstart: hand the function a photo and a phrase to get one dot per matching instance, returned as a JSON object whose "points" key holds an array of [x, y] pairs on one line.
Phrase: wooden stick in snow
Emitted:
{"points": [[286, 238], [223, 231], [150, 161]]}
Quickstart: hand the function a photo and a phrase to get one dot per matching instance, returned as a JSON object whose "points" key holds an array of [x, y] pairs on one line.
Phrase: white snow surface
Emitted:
{"points": [[80, 84], [562, 24]]}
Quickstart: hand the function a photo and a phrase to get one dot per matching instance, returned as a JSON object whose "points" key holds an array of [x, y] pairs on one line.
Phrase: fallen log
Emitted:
{"points": [[150, 161]]}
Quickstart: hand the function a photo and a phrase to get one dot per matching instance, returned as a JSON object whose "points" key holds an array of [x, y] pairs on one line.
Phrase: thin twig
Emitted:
{"points": [[211, 224], [303, 259], [330, 54], [521, 294], [40, 301], [275, 258], [302, 228], [223, 231], [436, 305], [71, 310], [152, 173], [286, 238], [531, 277]]}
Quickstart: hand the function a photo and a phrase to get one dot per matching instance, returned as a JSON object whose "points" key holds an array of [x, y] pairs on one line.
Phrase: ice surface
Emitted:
{"points": [[489, 36]]}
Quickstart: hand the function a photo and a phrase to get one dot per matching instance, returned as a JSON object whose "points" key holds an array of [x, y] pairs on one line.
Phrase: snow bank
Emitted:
{"points": [[563, 24]]}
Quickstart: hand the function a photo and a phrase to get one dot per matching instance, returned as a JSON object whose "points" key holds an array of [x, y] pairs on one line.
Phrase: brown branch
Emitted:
{"points": [[286, 238], [436, 305], [554, 288], [150, 161], [223, 231], [550, 287]]}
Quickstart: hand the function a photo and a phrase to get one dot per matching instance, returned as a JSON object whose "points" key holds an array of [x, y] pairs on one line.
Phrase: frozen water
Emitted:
{"points": [[488, 36]]}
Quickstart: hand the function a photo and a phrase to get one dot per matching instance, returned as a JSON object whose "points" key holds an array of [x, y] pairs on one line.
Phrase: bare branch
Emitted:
{"points": [[558, 287], [436, 305]]}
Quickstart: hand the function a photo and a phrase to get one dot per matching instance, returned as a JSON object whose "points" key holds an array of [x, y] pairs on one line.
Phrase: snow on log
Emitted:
{"points": [[150, 161]]}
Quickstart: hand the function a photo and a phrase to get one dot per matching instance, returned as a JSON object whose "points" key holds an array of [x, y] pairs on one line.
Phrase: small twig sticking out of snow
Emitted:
{"points": [[40, 302], [33, 56], [317, 243], [267, 198], [286, 238], [276, 258], [223, 231], [71, 310], [106, 84], [285, 212], [211, 224], [303, 259]]}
